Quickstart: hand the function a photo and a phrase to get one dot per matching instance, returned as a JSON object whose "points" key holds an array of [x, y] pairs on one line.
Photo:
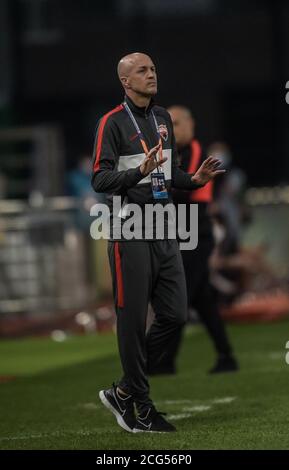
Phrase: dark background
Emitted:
{"points": [[226, 60]]}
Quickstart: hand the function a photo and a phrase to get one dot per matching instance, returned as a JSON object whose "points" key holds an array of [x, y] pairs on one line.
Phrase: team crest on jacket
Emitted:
{"points": [[163, 130]]}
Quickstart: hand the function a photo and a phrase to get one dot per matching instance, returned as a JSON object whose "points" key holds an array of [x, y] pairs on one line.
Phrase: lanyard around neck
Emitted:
{"points": [[140, 134]]}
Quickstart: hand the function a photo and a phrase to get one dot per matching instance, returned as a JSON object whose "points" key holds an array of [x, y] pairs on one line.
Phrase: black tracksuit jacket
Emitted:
{"points": [[118, 154]]}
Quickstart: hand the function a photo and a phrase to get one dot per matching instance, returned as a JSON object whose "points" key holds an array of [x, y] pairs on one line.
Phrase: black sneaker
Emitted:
{"points": [[153, 421], [225, 364], [122, 408]]}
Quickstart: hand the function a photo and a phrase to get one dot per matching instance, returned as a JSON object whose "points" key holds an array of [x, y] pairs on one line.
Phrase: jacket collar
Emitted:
{"points": [[136, 109]]}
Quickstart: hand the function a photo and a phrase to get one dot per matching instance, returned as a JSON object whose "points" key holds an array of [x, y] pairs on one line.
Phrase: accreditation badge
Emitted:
{"points": [[159, 186]]}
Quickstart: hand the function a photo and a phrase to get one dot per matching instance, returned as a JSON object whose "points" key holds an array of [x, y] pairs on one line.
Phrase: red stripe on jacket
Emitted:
{"points": [[204, 194], [100, 135], [119, 280]]}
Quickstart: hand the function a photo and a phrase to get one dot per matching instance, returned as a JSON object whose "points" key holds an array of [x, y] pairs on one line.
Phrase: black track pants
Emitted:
{"points": [[143, 272]]}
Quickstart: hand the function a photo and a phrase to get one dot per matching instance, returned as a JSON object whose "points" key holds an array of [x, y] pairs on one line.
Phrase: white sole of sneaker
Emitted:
{"points": [[119, 418], [152, 432]]}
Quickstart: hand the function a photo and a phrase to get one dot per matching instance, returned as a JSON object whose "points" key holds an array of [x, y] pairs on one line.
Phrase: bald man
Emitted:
{"points": [[135, 159], [201, 295]]}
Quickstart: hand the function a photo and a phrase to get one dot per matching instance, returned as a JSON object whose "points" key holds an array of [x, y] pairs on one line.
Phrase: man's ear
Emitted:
{"points": [[125, 82]]}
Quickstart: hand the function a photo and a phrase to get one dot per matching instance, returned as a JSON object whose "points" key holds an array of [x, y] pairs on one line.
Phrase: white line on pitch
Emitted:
{"points": [[179, 416], [199, 408], [223, 400]]}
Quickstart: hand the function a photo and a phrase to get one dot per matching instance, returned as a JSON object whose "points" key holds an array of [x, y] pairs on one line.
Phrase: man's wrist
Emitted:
{"points": [[196, 180], [142, 171]]}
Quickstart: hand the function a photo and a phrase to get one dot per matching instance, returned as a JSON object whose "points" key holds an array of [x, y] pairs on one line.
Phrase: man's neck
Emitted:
{"points": [[139, 100]]}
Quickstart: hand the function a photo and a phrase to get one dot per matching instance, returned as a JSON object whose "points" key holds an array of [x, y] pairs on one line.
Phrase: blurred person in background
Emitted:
{"points": [[226, 274], [229, 191], [237, 271], [79, 186], [79, 180], [229, 263], [201, 295]]}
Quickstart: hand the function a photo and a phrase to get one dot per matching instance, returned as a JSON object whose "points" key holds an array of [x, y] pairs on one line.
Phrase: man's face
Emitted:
{"points": [[142, 77], [184, 127]]}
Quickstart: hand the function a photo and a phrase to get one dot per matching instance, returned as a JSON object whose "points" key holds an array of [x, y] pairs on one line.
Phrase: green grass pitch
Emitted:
{"points": [[53, 403]]}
